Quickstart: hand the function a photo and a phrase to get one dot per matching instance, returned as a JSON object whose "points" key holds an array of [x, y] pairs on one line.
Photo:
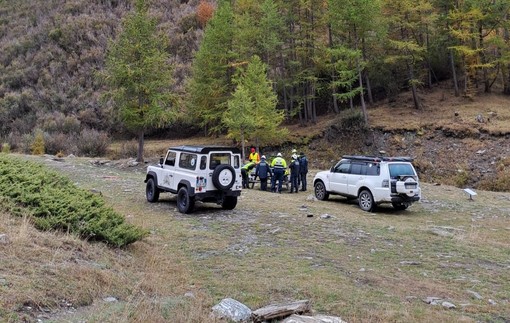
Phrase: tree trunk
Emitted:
{"points": [[243, 155], [416, 100], [369, 90], [362, 98], [139, 155], [486, 82], [454, 73]]}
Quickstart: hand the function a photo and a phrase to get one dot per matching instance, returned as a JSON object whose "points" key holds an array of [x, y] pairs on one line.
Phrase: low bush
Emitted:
{"points": [[92, 143], [59, 142], [37, 146], [6, 148], [54, 203]]}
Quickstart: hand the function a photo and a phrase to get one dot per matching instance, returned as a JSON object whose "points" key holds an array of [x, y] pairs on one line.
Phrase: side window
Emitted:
{"points": [[356, 169], [373, 169], [343, 168], [170, 158], [188, 161], [236, 161], [203, 162]]}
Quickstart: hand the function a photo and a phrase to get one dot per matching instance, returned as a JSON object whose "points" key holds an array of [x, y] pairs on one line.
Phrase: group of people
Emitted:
{"points": [[298, 169]]}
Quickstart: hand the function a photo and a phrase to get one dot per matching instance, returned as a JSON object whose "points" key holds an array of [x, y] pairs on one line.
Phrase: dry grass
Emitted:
{"points": [[265, 251]]}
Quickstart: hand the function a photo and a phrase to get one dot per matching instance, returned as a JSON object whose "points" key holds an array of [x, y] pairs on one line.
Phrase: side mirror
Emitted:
{"points": [[161, 161]]}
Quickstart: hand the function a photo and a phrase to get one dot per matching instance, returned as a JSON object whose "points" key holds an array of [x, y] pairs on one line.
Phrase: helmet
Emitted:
{"points": [[294, 151], [263, 157], [279, 155], [294, 156]]}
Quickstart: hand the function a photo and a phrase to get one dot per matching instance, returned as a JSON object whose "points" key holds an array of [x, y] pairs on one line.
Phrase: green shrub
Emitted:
{"points": [[54, 203], [37, 146], [6, 148]]}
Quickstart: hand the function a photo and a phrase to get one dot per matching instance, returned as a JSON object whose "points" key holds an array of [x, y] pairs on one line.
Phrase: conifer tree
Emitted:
{"points": [[211, 84], [251, 113], [139, 75]]}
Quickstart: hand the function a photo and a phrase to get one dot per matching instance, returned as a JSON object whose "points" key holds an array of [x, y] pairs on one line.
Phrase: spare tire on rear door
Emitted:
{"points": [[224, 177]]}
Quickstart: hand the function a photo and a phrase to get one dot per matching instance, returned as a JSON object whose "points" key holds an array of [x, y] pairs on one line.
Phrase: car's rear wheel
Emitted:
{"points": [[229, 202], [320, 191], [151, 191], [185, 202], [399, 206], [366, 201]]}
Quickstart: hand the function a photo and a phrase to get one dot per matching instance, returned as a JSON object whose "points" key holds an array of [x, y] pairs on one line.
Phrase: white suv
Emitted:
{"points": [[204, 173], [372, 180]]}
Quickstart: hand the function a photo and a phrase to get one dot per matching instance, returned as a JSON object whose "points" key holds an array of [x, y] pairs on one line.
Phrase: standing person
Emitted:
{"points": [[254, 156], [245, 170], [263, 171], [279, 165], [294, 173], [303, 170]]}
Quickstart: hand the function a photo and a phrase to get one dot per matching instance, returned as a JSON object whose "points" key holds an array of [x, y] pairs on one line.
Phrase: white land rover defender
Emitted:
{"points": [[203, 173], [372, 180]]}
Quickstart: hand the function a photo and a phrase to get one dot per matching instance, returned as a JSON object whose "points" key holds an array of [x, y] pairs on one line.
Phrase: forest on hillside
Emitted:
{"points": [[320, 56]]}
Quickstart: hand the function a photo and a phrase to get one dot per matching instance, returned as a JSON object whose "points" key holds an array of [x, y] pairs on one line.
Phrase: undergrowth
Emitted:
{"points": [[54, 203]]}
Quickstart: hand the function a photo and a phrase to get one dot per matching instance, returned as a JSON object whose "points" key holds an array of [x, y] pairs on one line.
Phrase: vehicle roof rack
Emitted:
{"points": [[378, 158], [204, 149]]}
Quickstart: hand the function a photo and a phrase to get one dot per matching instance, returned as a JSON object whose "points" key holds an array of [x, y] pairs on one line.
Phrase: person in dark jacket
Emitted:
{"points": [[303, 170], [294, 173], [263, 171]]}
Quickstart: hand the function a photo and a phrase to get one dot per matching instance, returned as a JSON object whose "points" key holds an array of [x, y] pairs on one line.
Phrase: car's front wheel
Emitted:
{"points": [[185, 203], [320, 191], [151, 191], [229, 202], [366, 201]]}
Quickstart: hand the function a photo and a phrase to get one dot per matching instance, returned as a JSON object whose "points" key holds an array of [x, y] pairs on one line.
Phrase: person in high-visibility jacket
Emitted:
{"points": [[254, 156], [279, 165], [245, 171]]}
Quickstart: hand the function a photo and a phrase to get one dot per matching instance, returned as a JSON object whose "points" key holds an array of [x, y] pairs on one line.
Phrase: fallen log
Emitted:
{"points": [[278, 311]]}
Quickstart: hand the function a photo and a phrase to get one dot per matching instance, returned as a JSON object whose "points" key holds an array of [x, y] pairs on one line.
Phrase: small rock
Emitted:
{"points": [[233, 310], [71, 156], [432, 300], [325, 216], [294, 318], [492, 302], [448, 305], [4, 239], [3, 282], [362, 269], [475, 294], [110, 299], [189, 294]]}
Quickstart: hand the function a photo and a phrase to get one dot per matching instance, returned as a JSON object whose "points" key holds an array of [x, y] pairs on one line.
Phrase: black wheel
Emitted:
{"points": [[224, 177], [399, 206], [151, 191], [320, 191], [229, 202], [366, 201], [185, 203]]}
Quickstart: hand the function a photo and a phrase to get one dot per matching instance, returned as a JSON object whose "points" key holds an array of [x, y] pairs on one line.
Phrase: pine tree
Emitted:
{"points": [[251, 113], [211, 84], [139, 75]]}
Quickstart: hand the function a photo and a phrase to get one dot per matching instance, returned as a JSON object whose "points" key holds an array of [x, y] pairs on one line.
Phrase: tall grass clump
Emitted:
{"points": [[54, 203]]}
